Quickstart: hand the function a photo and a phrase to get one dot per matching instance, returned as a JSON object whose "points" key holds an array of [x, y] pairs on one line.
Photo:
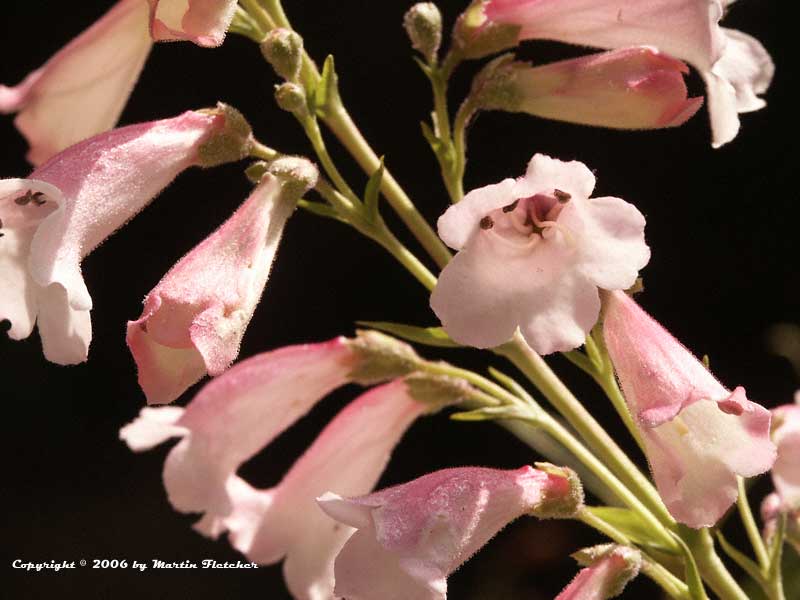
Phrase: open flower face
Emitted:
{"points": [[533, 253]]}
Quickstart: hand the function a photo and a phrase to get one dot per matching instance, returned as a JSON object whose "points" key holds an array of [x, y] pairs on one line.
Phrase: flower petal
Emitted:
{"points": [[606, 576], [204, 22]]}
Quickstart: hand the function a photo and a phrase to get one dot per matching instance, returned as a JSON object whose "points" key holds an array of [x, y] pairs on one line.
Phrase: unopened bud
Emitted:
{"points": [[495, 86], [475, 36], [231, 143], [381, 357], [611, 567], [564, 498], [297, 173], [291, 98], [423, 24], [283, 49]]}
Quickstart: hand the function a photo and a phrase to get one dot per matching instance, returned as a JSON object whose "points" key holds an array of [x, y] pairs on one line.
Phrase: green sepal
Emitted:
{"points": [[326, 93], [430, 336], [256, 171], [628, 523], [372, 193]]}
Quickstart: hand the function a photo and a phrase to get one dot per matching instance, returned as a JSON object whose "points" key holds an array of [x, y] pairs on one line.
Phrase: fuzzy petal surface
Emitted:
{"points": [[204, 22]]}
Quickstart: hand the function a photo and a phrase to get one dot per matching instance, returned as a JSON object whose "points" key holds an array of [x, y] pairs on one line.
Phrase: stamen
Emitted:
{"points": [[38, 200], [511, 207], [25, 199], [487, 222], [561, 196]]}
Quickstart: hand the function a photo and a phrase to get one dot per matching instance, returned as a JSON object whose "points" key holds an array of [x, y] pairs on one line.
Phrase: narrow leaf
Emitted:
{"points": [[696, 589], [321, 210], [434, 142], [430, 336], [628, 523], [327, 90], [747, 565], [372, 193]]}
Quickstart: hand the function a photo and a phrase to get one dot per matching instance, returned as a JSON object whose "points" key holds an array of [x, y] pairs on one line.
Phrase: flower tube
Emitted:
{"points": [[83, 88], [698, 436], [412, 536], [194, 319], [69, 205]]}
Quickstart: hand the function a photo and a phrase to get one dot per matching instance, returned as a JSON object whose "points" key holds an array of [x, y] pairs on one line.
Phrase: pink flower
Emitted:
{"points": [[771, 509], [735, 67], [631, 88], [532, 254], [698, 435], [204, 22], [83, 88], [786, 470], [242, 411], [610, 568], [194, 319], [69, 205], [412, 536]]}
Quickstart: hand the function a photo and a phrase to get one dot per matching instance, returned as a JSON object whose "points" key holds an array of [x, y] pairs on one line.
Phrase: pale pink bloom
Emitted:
{"points": [[242, 411], [532, 254], [236, 415], [194, 319], [698, 435], [68, 206], [735, 66], [285, 522], [786, 470], [771, 509], [412, 536], [631, 88], [204, 22], [83, 88], [608, 572]]}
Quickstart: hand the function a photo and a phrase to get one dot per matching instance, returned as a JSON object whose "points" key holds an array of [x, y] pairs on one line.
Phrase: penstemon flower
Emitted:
{"points": [[195, 318], [412, 536], [533, 253], [631, 88], [204, 22], [83, 88], [698, 435], [736, 67], [608, 570], [243, 410], [69, 205], [786, 471]]}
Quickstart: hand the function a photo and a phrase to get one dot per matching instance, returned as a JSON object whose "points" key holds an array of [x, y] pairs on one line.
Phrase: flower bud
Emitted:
{"points": [[475, 36], [423, 24], [283, 49], [437, 391], [291, 98]]}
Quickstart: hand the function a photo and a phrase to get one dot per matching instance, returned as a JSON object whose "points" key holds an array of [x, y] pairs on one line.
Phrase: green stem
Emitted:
{"points": [[562, 399], [343, 127], [259, 15], [750, 526], [711, 567], [315, 137]]}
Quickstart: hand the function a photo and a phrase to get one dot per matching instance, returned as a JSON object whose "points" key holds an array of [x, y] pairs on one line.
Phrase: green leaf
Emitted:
{"points": [[627, 522], [430, 137], [747, 565], [321, 210], [424, 66], [484, 414], [326, 93], [372, 193], [696, 589], [430, 336]]}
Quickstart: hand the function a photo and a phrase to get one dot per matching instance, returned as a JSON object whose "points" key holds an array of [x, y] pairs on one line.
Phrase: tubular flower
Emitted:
{"points": [[412, 536], [532, 254], [631, 88], [243, 410], [786, 470], [735, 66], [83, 88], [204, 22], [609, 569], [194, 319], [698, 435], [69, 205]]}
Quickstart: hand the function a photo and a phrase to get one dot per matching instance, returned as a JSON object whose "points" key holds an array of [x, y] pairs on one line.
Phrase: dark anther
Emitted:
{"points": [[1, 223], [561, 196], [487, 223], [1, 234], [510, 207], [38, 200], [23, 200], [143, 326]]}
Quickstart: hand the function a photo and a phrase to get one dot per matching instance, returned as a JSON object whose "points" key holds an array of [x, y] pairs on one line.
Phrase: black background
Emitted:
{"points": [[722, 225]]}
